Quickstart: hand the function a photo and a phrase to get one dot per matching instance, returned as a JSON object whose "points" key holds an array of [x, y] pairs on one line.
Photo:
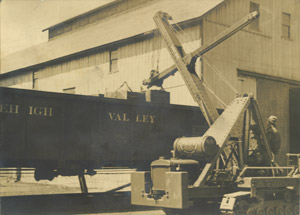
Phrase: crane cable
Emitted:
{"points": [[124, 83], [223, 78], [159, 52], [156, 49], [206, 85], [183, 36], [214, 69], [212, 92]]}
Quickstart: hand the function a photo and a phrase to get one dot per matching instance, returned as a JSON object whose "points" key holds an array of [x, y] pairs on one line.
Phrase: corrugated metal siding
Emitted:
{"points": [[263, 51], [23, 80], [90, 74], [138, 59], [82, 73]]}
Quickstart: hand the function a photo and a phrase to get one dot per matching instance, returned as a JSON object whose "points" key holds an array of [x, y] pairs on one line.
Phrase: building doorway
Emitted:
{"points": [[273, 99]]}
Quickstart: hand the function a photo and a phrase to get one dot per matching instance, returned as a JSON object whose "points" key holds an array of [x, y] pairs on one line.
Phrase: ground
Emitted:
{"points": [[62, 196]]}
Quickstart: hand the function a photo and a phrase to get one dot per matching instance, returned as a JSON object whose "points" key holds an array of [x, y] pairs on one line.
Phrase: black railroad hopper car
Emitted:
{"points": [[63, 134]]}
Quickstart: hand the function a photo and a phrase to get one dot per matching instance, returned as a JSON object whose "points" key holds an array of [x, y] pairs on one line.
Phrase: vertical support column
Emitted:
{"points": [[82, 183], [257, 117], [246, 137]]}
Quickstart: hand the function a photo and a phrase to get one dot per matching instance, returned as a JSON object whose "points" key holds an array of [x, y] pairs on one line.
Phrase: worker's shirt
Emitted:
{"points": [[273, 138]]}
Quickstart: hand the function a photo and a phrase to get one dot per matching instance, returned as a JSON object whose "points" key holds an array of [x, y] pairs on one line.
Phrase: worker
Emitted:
{"points": [[158, 83], [273, 135]]}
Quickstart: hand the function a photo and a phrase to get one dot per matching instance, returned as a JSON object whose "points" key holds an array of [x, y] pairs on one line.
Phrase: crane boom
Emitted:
{"points": [[181, 60], [239, 25]]}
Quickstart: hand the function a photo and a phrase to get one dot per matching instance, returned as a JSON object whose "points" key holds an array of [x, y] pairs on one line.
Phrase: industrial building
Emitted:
{"points": [[96, 52]]}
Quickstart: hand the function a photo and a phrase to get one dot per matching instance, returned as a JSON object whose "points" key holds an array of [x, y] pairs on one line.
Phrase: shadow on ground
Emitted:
{"points": [[65, 204]]}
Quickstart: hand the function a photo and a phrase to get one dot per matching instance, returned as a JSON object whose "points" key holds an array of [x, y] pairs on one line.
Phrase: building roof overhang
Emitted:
{"points": [[120, 27], [81, 15]]}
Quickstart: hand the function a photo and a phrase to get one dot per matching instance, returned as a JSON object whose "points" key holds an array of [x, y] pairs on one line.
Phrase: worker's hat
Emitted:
{"points": [[272, 119]]}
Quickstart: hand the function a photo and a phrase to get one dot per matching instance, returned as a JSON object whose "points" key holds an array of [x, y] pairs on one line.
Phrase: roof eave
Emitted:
{"points": [[81, 15]]}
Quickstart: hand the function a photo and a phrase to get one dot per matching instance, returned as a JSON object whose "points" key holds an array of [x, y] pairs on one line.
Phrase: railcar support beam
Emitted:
{"points": [[82, 183]]}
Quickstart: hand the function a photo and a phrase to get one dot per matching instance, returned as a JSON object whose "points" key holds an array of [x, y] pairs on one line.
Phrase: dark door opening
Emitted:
{"points": [[294, 120]]}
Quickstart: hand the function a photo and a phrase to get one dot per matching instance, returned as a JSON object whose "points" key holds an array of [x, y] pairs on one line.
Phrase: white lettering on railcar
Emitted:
{"points": [[30, 110], [40, 111], [9, 108], [118, 117], [143, 118]]}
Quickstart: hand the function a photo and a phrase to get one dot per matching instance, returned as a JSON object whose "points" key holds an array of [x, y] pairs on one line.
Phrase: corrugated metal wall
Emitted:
{"points": [[137, 60], [90, 74], [22, 80], [262, 51], [249, 50], [82, 73]]}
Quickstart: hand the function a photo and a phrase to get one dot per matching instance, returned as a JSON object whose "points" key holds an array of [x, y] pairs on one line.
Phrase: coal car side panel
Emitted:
{"points": [[55, 130]]}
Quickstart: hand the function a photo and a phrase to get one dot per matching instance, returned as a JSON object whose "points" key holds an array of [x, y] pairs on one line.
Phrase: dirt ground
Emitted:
{"points": [[73, 204], [103, 181], [62, 196]]}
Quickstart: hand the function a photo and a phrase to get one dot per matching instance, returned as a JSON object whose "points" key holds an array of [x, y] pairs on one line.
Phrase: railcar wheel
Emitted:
{"points": [[44, 174]]}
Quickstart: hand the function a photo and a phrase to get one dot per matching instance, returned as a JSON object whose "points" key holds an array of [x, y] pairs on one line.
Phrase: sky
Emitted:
{"points": [[22, 21]]}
